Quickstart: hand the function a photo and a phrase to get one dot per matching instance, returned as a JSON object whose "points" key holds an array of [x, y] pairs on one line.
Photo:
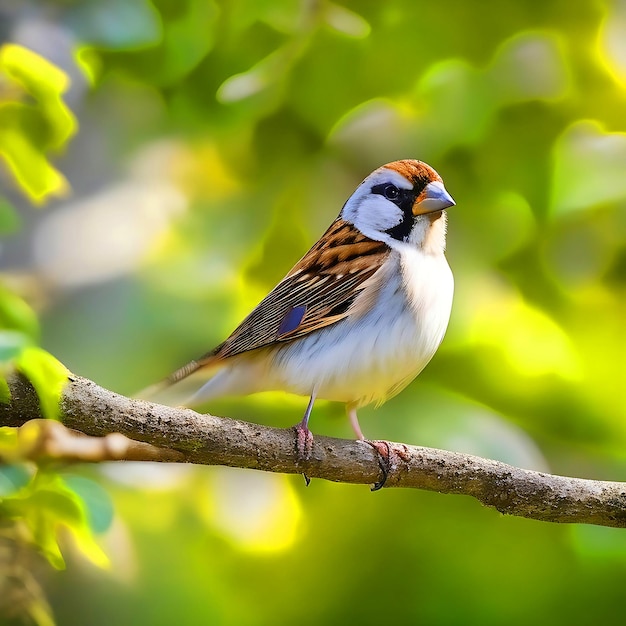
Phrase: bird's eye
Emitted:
{"points": [[391, 192]]}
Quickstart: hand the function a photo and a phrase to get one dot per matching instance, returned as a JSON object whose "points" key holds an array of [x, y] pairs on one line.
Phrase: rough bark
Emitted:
{"points": [[101, 425]]}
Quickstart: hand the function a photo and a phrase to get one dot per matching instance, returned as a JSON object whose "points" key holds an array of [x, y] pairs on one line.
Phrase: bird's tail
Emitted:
{"points": [[180, 386]]}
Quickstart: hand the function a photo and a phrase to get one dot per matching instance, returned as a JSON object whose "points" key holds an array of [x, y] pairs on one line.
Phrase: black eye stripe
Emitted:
{"points": [[391, 192], [404, 200]]}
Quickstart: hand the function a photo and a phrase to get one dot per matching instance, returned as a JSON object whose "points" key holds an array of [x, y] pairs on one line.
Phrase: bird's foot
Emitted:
{"points": [[385, 453], [304, 445]]}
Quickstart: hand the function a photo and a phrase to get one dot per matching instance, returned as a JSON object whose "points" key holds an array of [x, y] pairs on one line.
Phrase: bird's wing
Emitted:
{"points": [[317, 292]]}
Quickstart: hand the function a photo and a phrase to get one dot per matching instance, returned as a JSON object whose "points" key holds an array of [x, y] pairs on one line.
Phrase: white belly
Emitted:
{"points": [[373, 357]]}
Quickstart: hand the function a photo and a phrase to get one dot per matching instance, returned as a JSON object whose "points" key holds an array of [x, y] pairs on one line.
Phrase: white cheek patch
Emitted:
{"points": [[371, 212], [374, 212]]}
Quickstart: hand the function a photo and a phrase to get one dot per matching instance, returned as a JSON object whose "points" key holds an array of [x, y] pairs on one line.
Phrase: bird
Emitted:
{"points": [[359, 316]]}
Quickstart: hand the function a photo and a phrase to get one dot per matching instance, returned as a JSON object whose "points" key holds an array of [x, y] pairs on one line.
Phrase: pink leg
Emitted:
{"points": [[354, 422]]}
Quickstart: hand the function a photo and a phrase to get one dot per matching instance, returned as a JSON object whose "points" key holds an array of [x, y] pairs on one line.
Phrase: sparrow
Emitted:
{"points": [[358, 316]]}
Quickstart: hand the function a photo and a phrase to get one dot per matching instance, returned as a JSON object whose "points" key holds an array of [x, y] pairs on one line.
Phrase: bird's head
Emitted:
{"points": [[400, 203]]}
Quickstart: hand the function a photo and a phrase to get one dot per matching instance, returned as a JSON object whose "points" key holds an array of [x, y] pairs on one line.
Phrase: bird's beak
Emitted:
{"points": [[433, 198]]}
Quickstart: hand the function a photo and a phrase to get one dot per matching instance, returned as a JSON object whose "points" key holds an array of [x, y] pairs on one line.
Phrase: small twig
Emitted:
{"points": [[44, 440], [183, 435]]}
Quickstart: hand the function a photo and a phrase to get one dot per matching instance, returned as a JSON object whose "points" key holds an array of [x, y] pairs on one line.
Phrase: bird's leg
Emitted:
{"points": [[381, 447], [354, 422], [304, 437]]}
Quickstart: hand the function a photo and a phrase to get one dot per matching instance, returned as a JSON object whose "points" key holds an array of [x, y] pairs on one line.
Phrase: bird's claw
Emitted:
{"points": [[304, 446], [383, 452], [304, 442]]}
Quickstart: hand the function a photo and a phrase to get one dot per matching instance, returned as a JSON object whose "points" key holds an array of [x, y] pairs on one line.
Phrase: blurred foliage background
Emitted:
{"points": [[187, 154]]}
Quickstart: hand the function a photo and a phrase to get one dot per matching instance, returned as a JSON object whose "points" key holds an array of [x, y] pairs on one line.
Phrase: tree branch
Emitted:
{"points": [[155, 432]]}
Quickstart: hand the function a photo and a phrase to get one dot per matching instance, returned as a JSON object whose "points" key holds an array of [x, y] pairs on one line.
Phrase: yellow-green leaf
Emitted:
{"points": [[28, 131], [47, 375], [45, 83], [16, 315], [25, 159]]}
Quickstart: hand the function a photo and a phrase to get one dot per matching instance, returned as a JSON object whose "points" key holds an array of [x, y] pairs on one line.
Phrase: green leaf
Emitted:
{"points": [[12, 344], [16, 315], [25, 159], [29, 131], [96, 500], [48, 509], [45, 504], [47, 375], [45, 83], [68, 508]]}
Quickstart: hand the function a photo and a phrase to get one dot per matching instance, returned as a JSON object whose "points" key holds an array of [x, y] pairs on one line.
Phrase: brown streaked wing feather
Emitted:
{"points": [[326, 280]]}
